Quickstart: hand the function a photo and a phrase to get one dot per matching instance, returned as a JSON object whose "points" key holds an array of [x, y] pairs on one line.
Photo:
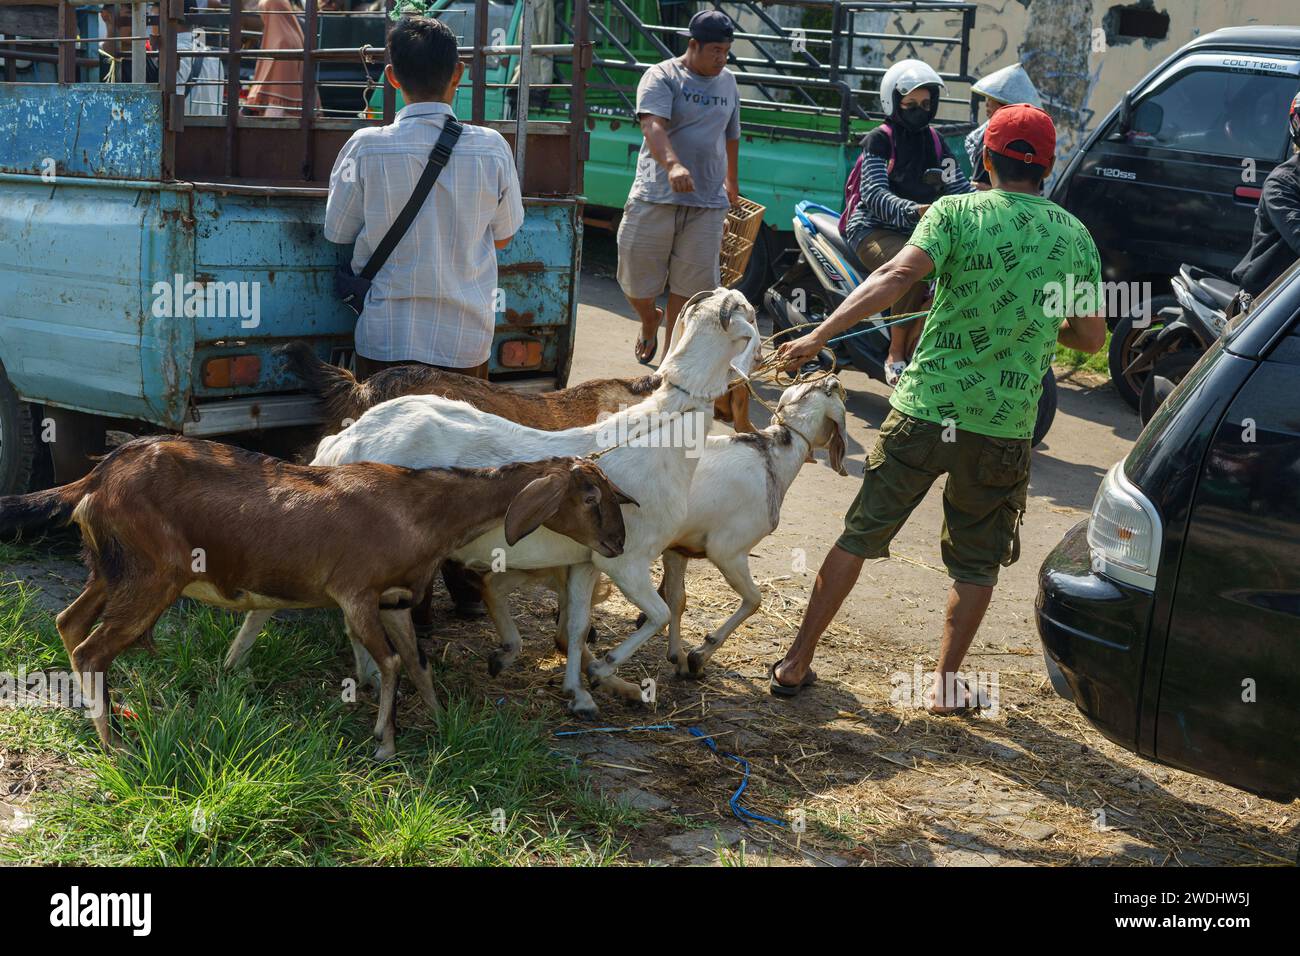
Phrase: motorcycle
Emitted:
{"points": [[1167, 351], [822, 277]]}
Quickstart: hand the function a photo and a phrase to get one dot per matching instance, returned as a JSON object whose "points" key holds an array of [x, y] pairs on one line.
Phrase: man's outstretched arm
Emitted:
{"points": [[882, 289]]}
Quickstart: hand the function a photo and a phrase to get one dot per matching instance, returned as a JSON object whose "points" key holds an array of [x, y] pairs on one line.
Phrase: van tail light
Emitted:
{"points": [[1251, 193], [1124, 532], [232, 371]]}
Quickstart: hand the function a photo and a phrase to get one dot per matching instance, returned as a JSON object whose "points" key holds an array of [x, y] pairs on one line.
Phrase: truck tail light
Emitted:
{"points": [[232, 371], [520, 353], [1124, 532]]}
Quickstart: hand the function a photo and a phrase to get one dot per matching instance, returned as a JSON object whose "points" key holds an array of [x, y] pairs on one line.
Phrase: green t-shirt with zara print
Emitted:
{"points": [[992, 329]]}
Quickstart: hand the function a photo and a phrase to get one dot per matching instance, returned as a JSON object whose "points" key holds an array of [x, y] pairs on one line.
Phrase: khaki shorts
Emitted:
{"points": [[663, 243], [983, 499], [878, 247]]}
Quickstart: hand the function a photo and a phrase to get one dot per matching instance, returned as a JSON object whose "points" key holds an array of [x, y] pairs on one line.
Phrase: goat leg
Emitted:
{"points": [[581, 585], [735, 569], [364, 623], [634, 582], [672, 588], [401, 633], [249, 631], [122, 624], [497, 588]]}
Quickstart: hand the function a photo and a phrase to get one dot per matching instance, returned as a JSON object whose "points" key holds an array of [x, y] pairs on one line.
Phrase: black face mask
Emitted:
{"points": [[914, 117]]}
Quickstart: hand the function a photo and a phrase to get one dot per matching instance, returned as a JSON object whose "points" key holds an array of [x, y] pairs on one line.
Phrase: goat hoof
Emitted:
{"points": [[585, 711], [640, 620], [385, 752], [496, 664], [695, 663], [593, 635]]}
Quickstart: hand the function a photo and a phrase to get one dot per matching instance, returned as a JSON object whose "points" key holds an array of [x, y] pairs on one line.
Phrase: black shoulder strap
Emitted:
{"points": [[437, 161]]}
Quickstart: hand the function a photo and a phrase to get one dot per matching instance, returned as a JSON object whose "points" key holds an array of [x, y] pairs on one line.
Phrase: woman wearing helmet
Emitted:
{"points": [[1001, 88], [1276, 240], [894, 194]]}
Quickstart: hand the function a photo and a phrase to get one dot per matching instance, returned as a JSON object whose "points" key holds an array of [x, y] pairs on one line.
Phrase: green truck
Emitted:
{"points": [[808, 70]]}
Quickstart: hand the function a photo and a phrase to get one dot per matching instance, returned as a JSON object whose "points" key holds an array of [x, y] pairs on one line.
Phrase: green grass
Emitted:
{"points": [[1072, 360], [272, 765]]}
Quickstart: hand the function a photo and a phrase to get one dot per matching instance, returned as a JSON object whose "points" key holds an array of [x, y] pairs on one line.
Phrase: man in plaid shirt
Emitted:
{"points": [[433, 300]]}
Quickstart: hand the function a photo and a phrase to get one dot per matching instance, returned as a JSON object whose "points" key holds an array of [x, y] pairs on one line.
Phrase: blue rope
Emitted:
{"points": [[613, 730], [743, 814], [871, 328]]}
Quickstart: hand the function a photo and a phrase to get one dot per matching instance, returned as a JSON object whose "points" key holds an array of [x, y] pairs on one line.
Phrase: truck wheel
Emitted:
{"points": [[757, 276], [1046, 409], [17, 440], [1122, 352]]}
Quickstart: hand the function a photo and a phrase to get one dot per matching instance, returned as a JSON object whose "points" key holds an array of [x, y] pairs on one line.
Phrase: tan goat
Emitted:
{"points": [[165, 517]]}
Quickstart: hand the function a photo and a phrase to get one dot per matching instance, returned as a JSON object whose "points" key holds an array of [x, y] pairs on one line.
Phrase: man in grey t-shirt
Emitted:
{"points": [[686, 179]]}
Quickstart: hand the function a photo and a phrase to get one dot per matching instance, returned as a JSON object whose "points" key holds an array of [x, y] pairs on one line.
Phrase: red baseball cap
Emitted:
{"points": [[1022, 121]]}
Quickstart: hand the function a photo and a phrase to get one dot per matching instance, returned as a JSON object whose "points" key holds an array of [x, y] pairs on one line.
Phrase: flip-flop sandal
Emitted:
{"points": [[777, 689], [972, 706], [654, 348]]}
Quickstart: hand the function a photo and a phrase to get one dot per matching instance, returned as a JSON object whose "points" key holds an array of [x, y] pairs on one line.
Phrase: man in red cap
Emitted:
{"points": [[1005, 261]]}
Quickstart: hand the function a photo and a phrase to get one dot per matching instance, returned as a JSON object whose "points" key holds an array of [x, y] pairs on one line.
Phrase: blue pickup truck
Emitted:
{"points": [[151, 260]]}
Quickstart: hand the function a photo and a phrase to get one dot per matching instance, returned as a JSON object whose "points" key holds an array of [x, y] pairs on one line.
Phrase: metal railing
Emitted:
{"points": [[155, 26], [784, 59]]}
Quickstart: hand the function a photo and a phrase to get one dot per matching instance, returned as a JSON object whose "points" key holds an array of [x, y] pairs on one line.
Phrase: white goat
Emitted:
{"points": [[656, 445], [735, 502]]}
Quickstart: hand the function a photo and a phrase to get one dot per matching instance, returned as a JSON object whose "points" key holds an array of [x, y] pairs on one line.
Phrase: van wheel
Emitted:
{"points": [[1122, 352], [17, 440], [1046, 409]]}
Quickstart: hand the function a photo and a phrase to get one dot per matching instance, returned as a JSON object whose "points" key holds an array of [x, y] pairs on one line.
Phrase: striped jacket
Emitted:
{"points": [[880, 208]]}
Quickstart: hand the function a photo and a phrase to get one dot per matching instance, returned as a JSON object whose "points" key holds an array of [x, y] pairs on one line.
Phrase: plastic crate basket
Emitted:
{"points": [[738, 237]]}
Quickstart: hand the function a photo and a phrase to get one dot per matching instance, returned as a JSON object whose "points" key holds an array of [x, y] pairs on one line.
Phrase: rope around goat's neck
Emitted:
{"points": [[619, 444], [769, 369]]}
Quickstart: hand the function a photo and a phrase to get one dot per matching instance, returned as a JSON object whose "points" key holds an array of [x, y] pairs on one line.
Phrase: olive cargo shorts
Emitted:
{"points": [[983, 499]]}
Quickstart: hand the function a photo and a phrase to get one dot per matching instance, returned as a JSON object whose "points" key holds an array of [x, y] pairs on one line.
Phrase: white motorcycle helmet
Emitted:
{"points": [[902, 78]]}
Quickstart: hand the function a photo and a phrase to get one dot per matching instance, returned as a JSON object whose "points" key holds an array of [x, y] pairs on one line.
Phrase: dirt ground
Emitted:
{"points": [[877, 783], [855, 778]]}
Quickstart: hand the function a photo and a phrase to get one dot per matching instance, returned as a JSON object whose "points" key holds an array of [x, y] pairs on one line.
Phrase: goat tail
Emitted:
{"points": [[344, 397], [40, 509]]}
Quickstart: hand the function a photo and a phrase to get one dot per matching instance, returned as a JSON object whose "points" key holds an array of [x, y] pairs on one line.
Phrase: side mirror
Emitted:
{"points": [[1125, 120], [1148, 119]]}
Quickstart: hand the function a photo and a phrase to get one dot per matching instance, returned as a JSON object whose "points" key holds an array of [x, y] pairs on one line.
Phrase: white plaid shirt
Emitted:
{"points": [[433, 299]]}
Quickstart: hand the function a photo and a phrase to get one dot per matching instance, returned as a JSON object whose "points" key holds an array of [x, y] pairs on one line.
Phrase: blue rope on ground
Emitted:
{"points": [[743, 814], [613, 730]]}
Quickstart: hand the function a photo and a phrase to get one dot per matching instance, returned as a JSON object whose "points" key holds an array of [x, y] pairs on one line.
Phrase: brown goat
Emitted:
{"points": [[165, 517], [346, 399]]}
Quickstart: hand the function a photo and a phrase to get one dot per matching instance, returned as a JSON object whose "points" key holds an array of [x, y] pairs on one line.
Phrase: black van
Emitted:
{"points": [[1174, 173], [1171, 617]]}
